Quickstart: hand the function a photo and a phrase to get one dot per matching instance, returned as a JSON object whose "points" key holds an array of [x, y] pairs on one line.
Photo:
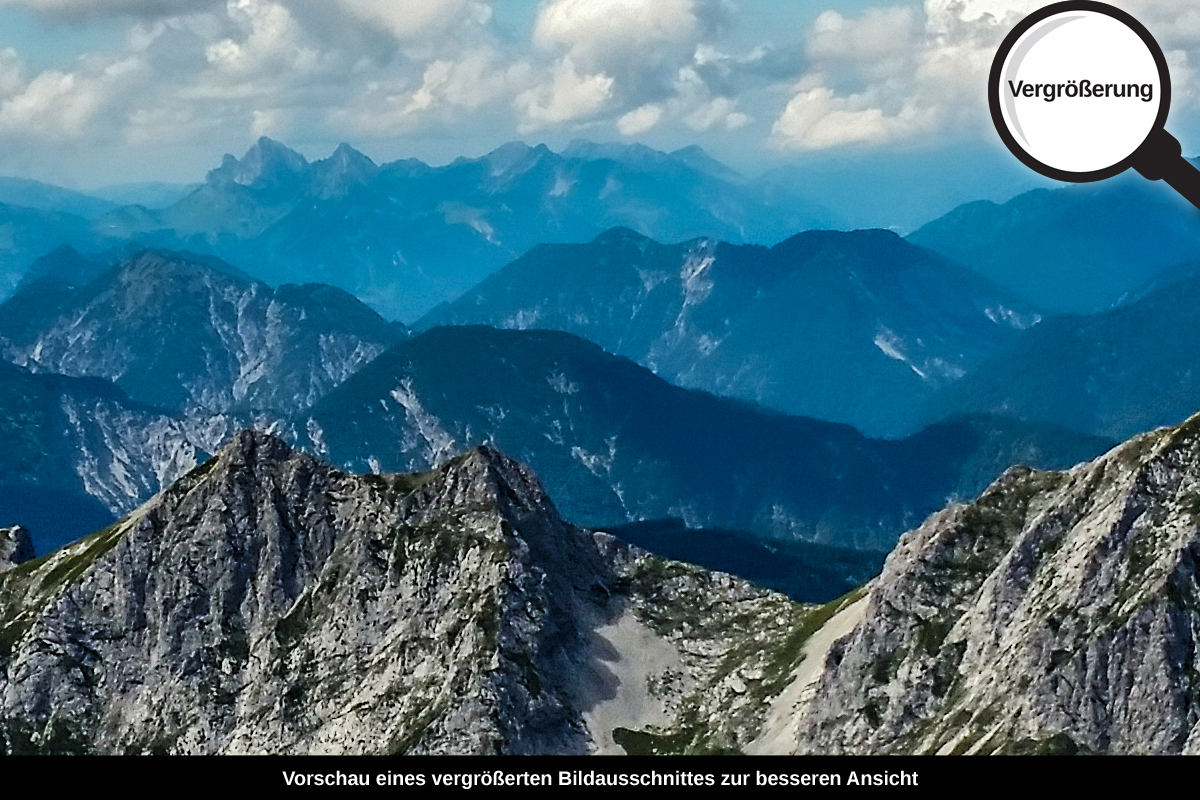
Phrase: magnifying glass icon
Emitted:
{"points": [[1079, 92]]}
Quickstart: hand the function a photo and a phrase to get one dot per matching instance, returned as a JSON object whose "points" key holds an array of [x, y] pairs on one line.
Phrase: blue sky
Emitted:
{"points": [[109, 91]]}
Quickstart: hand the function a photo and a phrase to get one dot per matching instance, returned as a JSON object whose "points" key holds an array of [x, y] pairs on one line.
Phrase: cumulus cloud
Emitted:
{"points": [[446, 88], [898, 73], [10, 72], [638, 51], [640, 120], [54, 105], [474, 79], [93, 9], [270, 41], [880, 41], [719, 112], [568, 97], [599, 32], [816, 119], [225, 72], [211, 71], [413, 18]]}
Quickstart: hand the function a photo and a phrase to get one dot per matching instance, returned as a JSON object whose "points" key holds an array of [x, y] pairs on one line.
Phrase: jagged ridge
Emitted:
{"points": [[1060, 612], [269, 603]]}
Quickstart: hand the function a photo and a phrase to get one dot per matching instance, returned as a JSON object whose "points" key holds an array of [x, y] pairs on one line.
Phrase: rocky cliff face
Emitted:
{"points": [[268, 603], [1060, 612], [15, 547]]}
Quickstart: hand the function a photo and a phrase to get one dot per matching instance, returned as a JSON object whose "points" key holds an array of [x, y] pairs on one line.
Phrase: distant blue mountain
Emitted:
{"points": [[46, 197], [191, 334], [128, 379], [1114, 373], [858, 327], [1078, 249], [29, 233], [151, 194], [77, 452], [614, 443], [406, 236]]}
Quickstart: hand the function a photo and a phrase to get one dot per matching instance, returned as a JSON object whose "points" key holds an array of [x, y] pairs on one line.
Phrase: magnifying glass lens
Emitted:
{"points": [[1081, 92]]}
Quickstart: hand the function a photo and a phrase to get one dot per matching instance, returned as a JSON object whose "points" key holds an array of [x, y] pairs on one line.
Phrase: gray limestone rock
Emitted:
{"points": [[15, 547], [1058, 613], [266, 602]]}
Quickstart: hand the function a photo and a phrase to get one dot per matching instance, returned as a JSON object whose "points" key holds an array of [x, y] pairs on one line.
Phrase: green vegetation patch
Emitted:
{"points": [[29, 588], [1060, 744], [645, 743]]}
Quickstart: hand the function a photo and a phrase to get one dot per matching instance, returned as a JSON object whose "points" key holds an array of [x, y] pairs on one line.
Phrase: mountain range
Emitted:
{"points": [[268, 603], [857, 327], [1055, 614], [192, 334], [75, 453], [1115, 373], [309, 611], [406, 236], [614, 442], [186, 349], [1078, 249]]}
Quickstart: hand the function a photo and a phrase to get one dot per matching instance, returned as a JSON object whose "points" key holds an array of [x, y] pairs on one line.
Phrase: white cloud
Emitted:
{"points": [[640, 120], [446, 88], [567, 97], [894, 74], [270, 41], [598, 31], [413, 18], [268, 122], [879, 41], [54, 105], [719, 112], [10, 72], [640, 45], [478, 77], [816, 119], [158, 126], [92, 9], [219, 73]]}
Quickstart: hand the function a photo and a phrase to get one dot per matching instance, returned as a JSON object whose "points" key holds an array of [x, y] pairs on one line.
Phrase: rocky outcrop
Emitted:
{"points": [[269, 603], [15, 547], [1058, 613]]}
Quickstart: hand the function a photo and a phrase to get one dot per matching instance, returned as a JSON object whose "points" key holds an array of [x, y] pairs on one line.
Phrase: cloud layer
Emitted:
{"points": [[902, 74], [203, 71]]}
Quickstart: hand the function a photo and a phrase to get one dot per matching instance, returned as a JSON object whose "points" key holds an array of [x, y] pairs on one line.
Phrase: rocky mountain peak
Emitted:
{"points": [[64, 264], [633, 155], [156, 265], [1058, 613], [514, 158], [698, 158], [268, 603], [15, 547], [268, 164], [183, 331], [344, 169], [621, 236]]}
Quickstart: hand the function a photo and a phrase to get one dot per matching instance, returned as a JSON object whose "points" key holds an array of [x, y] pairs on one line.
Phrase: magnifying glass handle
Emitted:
{"points": [[1160, 158]]}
